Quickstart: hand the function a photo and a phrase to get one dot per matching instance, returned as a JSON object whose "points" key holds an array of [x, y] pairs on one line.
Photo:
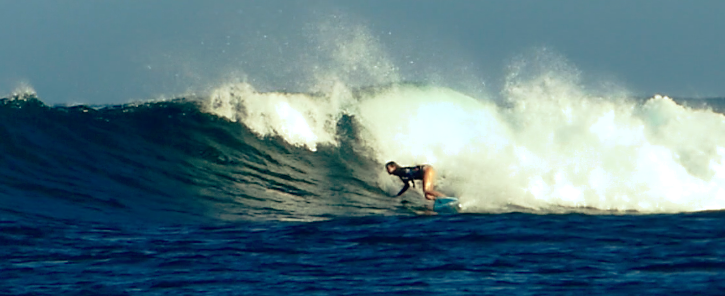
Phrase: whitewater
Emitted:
{"points": [[549, 146]]}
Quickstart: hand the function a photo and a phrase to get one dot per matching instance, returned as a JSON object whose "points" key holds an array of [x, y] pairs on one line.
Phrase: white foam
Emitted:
{"points": [[572, 151], [22, 91], [301, 120]]}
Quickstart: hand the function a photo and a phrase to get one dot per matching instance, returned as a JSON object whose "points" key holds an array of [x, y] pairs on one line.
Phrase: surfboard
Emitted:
{"points": [[446, 205]]}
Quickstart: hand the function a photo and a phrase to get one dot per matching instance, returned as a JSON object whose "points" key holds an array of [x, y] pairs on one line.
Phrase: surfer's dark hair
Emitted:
{"points": [[392, 163]]}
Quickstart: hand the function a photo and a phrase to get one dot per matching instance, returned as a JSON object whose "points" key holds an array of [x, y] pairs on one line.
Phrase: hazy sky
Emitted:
{"points": [[102, 52]]}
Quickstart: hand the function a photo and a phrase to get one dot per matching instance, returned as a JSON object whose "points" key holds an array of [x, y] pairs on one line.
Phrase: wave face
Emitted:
{"points": [[169, 160], [244, 154]]}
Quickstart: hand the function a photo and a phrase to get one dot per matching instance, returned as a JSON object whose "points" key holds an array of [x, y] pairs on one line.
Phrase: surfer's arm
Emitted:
{"points": [[405, 188]]}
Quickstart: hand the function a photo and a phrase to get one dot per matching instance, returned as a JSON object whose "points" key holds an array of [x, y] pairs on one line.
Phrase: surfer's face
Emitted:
{"points": [[391, 169]]}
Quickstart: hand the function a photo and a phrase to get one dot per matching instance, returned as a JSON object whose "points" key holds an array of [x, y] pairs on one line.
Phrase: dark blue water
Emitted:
{"points": [[523, 254], [163, 199]]}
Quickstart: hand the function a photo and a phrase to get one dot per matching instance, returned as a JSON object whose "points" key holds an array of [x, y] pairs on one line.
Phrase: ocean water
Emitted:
{"points": [[244, 192]]}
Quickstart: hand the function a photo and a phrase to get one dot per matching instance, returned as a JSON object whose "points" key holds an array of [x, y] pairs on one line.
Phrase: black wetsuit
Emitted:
{"points": [[409, 175]]}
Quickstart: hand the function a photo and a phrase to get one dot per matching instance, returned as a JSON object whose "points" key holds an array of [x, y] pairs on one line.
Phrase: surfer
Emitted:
{"points": [[408, 175]]}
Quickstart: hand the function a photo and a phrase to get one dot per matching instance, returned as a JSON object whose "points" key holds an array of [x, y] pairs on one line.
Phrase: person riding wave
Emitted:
{"points": [[408, 175]]}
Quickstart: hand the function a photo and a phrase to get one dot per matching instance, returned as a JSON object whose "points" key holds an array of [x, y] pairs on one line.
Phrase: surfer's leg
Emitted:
{"points": [[428, 179]]}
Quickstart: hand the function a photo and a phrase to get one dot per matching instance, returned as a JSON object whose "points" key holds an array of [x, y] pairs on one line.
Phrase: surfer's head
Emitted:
{"points": [[391, 166]]}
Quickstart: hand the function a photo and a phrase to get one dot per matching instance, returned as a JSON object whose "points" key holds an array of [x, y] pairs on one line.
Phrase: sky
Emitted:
{"points": [[108, 52]]}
